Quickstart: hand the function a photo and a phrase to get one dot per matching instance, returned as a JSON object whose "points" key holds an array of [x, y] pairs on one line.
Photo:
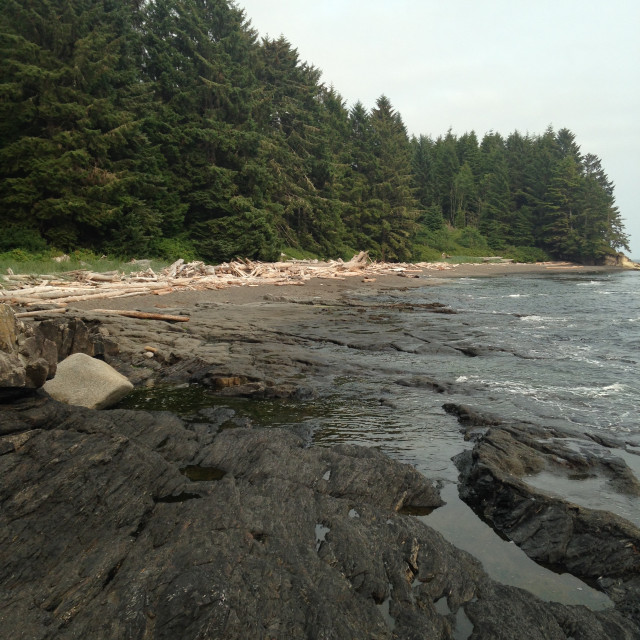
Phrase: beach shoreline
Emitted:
{"points": [[216, 482], [328, 289]]}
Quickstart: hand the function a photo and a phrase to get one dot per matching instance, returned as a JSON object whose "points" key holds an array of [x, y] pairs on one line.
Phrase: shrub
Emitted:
{"points": [[17, 237], [526, 254], [173, 248]]}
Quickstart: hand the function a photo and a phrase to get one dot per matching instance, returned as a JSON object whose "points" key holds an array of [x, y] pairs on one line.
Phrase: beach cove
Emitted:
{"points": [[303, 533]]}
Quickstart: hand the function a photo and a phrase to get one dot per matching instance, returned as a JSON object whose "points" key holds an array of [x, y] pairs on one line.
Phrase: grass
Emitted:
{"points": [[293, 253], [23, 263], [469, 259]]}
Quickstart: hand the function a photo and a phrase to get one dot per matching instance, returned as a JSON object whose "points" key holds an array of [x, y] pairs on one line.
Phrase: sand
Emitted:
{"points": [[330, 289]]}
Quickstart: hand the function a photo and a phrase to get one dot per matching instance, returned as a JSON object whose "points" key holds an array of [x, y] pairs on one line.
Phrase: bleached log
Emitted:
{"points": [[142, 315], [171, 270], [358, 261], [103, 277], [59, 294], [41, 312], [104, 294]]}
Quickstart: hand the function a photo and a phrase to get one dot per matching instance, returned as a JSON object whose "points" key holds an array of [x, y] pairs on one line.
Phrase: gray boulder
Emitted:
{"points": [[87, 382]]}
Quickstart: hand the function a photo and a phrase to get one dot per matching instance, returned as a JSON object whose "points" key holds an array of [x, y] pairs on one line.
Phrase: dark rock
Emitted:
{"points": [[70, 335], [470, 417], [73, 335], [525, 448], [27, 357], [345, 471], [596, 546], [125, 524], [424, 382], [216, 416]]}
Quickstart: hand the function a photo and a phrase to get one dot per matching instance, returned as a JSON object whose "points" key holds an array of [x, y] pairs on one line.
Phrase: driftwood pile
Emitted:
{"points": [[56, 292]]}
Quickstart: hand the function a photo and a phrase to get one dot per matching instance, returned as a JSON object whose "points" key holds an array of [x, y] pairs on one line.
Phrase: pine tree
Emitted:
{"points": [[446, 168], [561, 233], [423, 166], [201, 60], [361, 209], [393, 183], [300, 148], [494, 193], [600, 226], [519, 156], [465, 197], [73, 151], [567, 147], [468, 150]]}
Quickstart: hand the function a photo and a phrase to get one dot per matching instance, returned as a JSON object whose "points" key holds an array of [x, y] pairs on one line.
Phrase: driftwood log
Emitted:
{"points": [[142, 315], [41, 312], [78, 286]]}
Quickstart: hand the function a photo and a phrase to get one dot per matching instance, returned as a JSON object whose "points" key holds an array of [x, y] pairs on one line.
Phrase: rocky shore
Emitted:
{"points": [[141, 524]]}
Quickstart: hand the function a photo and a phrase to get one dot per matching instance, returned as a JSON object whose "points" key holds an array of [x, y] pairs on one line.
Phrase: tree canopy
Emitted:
{"points": [[168, 126]]}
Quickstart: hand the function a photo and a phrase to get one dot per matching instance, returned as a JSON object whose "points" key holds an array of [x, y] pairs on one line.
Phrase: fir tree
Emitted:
{"points": [[423, 166], [494, 193], [73, 152], [561, 216], [395, 226]]}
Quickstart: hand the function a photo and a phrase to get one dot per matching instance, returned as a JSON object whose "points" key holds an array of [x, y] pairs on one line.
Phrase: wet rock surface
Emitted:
{"points": [[594, 545], [104, 535], [141, 525]]}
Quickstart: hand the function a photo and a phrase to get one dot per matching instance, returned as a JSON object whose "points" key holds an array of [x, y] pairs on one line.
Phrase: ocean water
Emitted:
{"points": [[560, 350], [577, 345]]}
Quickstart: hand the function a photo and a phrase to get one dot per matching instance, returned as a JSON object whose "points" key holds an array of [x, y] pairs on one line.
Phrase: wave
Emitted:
{"points": [[616, 386]]}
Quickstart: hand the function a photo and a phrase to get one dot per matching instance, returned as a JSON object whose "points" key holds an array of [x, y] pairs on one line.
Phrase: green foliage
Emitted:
{"points": [[15, 236], [246, 234], [425, 253], [293, 253], [471, 238], [526, 254], [168, 129], [172, 249], [451, 241]]}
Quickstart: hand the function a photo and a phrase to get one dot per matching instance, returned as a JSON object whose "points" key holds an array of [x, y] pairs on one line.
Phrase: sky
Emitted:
{"points": [[484, 65]]}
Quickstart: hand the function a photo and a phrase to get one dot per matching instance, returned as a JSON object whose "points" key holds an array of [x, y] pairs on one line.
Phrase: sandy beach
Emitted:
{"points": [[334, 288]]}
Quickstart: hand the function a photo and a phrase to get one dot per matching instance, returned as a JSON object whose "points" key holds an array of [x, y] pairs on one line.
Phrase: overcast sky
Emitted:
{"points": [[484, 65]]}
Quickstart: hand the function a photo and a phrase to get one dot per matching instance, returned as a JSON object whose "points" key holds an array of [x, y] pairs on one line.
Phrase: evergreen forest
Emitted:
{"points": [[168, 128]]}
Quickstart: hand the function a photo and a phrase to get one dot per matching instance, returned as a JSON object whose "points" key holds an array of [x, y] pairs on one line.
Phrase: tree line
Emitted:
{"points": [[169, 128]]}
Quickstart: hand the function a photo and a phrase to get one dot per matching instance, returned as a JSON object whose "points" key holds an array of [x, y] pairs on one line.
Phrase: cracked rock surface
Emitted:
{"points": [[128, 524], [597, 546], [134, 524]]}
